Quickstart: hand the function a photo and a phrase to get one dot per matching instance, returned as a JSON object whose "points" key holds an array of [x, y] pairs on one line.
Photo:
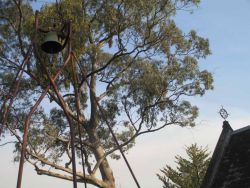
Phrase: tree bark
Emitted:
{"points": [[99, 153], [105, 170]]}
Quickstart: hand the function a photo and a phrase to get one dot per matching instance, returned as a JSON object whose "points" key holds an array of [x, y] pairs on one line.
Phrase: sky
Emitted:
{"points": [[227, 25]]}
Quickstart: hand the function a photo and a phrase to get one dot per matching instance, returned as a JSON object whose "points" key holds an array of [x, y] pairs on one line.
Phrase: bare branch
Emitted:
{"points": [[11, 142]]}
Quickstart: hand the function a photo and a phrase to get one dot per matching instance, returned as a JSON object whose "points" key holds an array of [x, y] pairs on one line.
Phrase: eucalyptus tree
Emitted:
{"points": [[134, 69]]}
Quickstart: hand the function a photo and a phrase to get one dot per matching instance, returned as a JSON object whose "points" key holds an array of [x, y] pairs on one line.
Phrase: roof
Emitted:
{"points": [[230, 163]]}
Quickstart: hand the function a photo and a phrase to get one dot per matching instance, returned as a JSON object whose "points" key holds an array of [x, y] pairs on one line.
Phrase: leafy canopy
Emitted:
{"points": [[140, 66]]}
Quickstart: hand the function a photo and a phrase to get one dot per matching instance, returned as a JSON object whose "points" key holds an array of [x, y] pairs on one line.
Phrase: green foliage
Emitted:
{"points": [[189, 171], [141, 67]]}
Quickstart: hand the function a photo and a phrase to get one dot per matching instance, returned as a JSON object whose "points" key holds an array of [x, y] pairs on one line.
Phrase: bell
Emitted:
{"points": [[51, 43]]}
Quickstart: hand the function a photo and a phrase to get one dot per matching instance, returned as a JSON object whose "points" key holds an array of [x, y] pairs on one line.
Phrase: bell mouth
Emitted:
{"points": [[51, 47]]}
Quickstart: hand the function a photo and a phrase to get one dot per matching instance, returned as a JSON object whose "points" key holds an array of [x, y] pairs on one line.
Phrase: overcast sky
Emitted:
{"points": [[227, 25]]}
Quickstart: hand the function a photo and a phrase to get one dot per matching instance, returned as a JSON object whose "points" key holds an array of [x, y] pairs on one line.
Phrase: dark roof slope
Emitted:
{"points": [[230, 164]]}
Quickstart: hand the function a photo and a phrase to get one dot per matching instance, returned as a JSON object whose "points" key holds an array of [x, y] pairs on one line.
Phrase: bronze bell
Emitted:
{"points": [[51, 43]]}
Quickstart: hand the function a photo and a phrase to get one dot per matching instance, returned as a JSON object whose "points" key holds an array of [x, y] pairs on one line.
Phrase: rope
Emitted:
{"points": [[78, 125]]}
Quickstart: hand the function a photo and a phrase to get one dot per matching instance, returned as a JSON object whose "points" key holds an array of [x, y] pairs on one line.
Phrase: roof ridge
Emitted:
{"points": [[241, 130]]}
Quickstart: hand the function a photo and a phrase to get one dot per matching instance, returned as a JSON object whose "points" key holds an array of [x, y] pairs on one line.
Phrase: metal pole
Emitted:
{"points": [[16, 84], [72, 135], [27, 124]]}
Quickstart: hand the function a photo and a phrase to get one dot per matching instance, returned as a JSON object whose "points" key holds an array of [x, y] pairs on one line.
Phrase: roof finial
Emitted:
{"points": [[223, 113]]}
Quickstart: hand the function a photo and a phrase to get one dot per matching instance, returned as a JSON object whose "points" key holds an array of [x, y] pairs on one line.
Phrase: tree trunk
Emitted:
{"points": [[105, 170]]}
